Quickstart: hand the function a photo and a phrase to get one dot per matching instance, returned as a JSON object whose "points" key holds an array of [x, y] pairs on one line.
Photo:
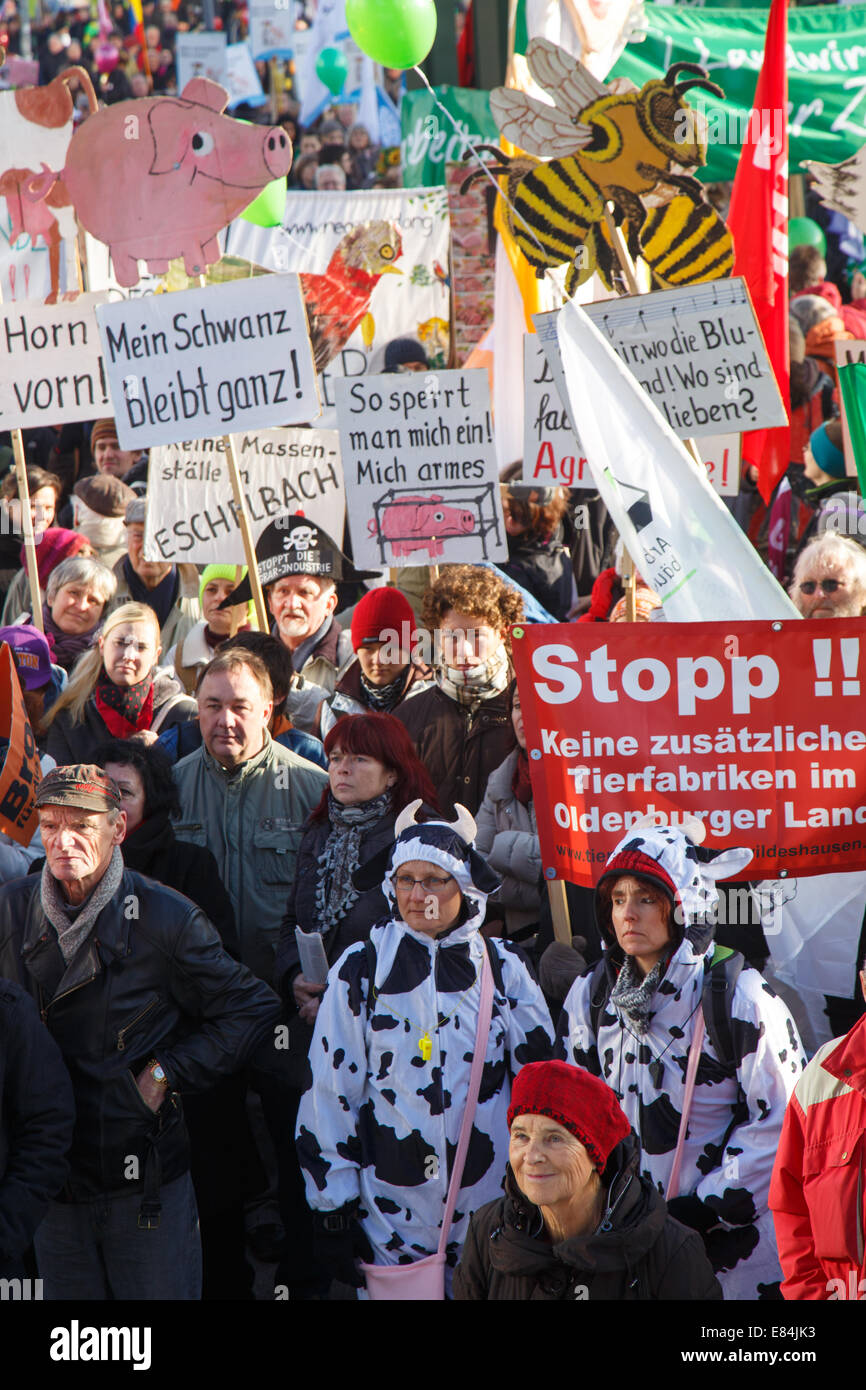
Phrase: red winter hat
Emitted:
{"points": [[381, 612], [577, 1100], [57, 544]]}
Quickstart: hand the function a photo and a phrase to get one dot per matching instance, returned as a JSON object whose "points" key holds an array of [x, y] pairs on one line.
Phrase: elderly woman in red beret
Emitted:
{"points": [[577, 1220]]}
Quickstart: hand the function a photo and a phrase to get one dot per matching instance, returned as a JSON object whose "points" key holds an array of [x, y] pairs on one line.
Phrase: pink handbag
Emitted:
{"points": [[691, 1073], [424, 1281]]}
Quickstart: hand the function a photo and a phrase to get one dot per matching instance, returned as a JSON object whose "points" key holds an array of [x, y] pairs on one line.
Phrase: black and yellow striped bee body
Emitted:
{"points": [[556, 205], [685, 242]]}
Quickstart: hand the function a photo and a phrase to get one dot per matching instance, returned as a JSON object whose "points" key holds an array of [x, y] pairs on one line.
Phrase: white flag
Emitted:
{"points": [[684, 542]]}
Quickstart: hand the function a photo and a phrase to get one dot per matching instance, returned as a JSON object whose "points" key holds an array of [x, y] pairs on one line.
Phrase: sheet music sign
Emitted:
{"points": [[699, 355]]}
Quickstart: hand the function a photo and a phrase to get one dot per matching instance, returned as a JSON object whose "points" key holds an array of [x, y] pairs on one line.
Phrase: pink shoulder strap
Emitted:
{"points": [[691, 1073], [485, 1010]]}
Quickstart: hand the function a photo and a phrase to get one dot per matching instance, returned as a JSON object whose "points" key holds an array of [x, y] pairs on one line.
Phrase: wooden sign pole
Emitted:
{"points": [[246, 534], [559, 910], [27, 528], [236, 617]]}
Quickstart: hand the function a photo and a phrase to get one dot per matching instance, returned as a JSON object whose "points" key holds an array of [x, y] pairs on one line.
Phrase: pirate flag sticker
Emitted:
{"points": [[296, 545]]}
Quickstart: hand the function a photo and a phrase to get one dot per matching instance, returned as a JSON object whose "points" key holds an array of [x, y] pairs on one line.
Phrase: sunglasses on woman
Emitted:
{"points": [[828, 586]]}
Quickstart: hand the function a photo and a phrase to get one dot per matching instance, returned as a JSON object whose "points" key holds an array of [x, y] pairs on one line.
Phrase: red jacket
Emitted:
{"points": [[818, 1190]]}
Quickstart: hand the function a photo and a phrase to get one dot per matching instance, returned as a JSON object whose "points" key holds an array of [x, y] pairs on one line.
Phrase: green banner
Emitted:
{"points": [[852, 383], [826, 75], [431, 140]]}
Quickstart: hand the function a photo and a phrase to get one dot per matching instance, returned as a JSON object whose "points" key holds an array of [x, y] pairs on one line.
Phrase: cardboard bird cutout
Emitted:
{"points": [[842, 187], [339, 299], [593, 144]]}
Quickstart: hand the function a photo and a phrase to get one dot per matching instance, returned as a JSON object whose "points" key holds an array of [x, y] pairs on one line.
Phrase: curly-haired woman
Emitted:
{"points": [[461, 727]]}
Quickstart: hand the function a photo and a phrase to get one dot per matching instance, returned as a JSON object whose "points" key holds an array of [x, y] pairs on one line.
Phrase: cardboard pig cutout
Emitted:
{"points": [[35, 127], [591, 144], [160, 177]]}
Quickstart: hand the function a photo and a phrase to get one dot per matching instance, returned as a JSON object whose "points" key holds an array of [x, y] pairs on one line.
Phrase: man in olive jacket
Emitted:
{"points": [[246, 798], [132, 981]]}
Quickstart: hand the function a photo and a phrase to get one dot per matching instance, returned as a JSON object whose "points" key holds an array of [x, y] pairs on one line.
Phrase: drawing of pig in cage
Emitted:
{"points": [[408, 521]]}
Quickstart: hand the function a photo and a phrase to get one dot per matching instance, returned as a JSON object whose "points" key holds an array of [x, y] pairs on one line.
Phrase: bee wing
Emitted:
{"points": [[534, 126], [572, 86]]}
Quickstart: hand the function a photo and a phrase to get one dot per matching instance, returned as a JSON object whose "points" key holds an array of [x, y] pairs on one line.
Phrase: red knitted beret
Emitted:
{"points": [[577, 1100], [381, 612]]}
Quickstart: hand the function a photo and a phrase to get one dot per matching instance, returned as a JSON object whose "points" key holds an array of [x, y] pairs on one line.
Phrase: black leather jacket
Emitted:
{"points": [[151, 981]]}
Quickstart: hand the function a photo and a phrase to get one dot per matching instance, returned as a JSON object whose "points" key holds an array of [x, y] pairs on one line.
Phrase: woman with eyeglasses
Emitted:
{"points": [[114, 690], [392, 1054], [373, 772]]}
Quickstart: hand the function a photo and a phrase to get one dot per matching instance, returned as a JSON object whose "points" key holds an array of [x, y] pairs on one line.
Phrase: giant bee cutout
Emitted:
{"points": [[596, 145]]}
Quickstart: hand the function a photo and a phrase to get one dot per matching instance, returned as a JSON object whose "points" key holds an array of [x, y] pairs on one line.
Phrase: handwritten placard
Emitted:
{"points": [[552, 452], [51, 368], [421, 468], [191, 511], [210, 361]]}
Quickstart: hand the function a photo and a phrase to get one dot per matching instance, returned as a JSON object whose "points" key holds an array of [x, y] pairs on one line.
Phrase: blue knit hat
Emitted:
{"points": [[825, 453]]}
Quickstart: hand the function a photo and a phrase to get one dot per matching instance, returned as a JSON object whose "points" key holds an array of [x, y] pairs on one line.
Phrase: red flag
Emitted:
{"points": [[758, 220]]}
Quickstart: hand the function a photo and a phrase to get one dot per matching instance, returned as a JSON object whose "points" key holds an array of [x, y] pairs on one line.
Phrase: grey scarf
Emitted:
{"points": [[632, 995], [335, 892], [73, 930]]}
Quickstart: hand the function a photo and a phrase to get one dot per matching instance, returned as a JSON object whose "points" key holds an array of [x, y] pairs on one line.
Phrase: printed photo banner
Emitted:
{"points": [[757, 728], [51, 366], [209, 362], [200, 55], [272, 28], [21, 772], [191, 512], [420, 466], [826, 76], [367, 264]]}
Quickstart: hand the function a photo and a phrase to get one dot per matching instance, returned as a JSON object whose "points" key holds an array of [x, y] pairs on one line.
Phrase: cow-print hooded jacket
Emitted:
{"points": [[736, 1116], [380, 1125]]}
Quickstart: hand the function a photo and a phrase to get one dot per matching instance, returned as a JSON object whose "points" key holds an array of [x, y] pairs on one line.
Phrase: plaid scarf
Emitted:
{"points": [[471, 687], [383, 697]]}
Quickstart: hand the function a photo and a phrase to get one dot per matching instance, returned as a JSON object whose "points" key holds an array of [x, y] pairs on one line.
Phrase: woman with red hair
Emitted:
{"points": [[373, 773]]}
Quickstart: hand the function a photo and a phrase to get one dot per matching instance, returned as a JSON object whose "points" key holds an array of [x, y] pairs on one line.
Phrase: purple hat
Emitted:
{"points": [[31, 652]]}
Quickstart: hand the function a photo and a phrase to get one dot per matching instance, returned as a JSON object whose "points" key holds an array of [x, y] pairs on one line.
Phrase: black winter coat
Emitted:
{"points": [[151, 981], [152, 848], [645, 1254], [459, 750], [544, 569], [37, 1114]]}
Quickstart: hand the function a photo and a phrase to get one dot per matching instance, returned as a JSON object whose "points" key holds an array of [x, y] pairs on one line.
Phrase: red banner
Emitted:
{"points": [[758, 728], [21, 772]]}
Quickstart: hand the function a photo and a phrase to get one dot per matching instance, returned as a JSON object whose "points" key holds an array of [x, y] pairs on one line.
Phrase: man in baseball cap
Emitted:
{"points": [[108, 954]]}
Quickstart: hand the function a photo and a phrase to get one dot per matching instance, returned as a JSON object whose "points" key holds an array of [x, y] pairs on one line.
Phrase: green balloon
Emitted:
{"points": [[332, 70], [266, 210], [395, 33], [802, 231]]}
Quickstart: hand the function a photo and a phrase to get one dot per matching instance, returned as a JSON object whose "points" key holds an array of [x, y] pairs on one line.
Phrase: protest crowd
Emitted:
{"points": [[292, 1003]]}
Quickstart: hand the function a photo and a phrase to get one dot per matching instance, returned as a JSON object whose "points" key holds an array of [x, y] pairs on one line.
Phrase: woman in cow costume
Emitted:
{"points": [[392, 1052], [632, 1020]]}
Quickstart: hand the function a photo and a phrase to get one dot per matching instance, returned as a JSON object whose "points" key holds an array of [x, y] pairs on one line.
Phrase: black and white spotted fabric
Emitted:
{"points": [[381, 1124], [736, 1117]]}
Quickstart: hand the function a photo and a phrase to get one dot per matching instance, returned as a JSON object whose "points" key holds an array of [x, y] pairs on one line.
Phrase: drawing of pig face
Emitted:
{"points": [[194, 140]]}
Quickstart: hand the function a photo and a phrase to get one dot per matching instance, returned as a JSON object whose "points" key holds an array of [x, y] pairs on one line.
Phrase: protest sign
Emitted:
{"points": [[191, 512], [211, 361], [272, 28], [720, 455], [757, 728], [334, 240], [698, 352], [420, 466], [200, 55], [21, 771], [51, 366], [552, 452], [680, 535], [241, 81]]}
